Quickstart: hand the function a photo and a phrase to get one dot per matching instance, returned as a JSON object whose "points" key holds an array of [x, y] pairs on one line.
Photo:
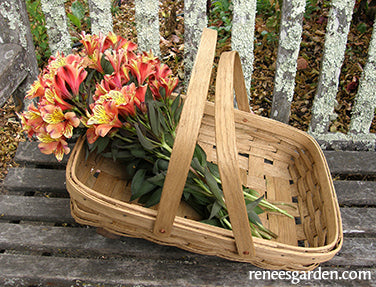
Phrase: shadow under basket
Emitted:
{"points": [[283, 163]]}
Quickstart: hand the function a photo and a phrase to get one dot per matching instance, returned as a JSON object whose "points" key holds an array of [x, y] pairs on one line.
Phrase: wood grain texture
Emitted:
{"points": [[227, 154], [186, 135]]}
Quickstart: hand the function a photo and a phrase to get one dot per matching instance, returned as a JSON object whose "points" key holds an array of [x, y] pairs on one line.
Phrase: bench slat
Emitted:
{"points": [[55, 210], [21, 180], [82, 241], [351, 162], [243, 35], [147, 25], [290, 37], [34, 179], [57, 26], [356, 193], [355, 220], [195, 20], [26, 269], [337, 30], [364, 108], [100, 15], [340, 162], [29, 153]]}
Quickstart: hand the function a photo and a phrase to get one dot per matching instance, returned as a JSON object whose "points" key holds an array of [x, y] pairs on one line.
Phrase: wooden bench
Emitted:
{"points": [[40, 244]]}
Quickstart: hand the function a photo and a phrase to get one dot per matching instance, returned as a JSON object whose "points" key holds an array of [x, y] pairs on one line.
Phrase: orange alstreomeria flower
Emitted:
{"points": [[49, 145], [108, 107], [59, 124]]}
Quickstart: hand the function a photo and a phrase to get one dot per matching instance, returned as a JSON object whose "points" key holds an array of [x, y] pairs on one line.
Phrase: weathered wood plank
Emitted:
{"points": [[337, 30], [57, 26], [351, 162], [15, 29], [86, 242], [147, 25], [21, 180], [195, 20], [340, 162], [356, 193], [12, 72], [34, 179], [56, 210], [24, 270], [365, 103], [28, 153], [100, 15], [358, 220], [242, 36], [355, 220], [290, 37]]}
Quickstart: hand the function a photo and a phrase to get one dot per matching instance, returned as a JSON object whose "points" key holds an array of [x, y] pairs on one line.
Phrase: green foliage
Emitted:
{"points": [[220, 19], [311, 7], [78, 17], [362, 27], [38, 30]]}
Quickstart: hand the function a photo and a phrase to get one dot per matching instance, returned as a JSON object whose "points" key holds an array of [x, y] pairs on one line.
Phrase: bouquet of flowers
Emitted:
{"points": [[122, 101]]}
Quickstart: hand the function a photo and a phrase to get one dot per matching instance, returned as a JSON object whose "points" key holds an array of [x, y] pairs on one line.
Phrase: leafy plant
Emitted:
{"points": [[311, 7], [221, 19], [78, 16], [38, 30]]}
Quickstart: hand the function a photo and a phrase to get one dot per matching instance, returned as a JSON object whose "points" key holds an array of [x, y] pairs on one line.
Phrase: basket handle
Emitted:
{"points": [[186, 134], [230, 76]]}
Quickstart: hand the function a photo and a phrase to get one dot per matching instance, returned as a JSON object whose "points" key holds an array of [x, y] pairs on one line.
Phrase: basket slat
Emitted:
{"points": [[186, 135]]}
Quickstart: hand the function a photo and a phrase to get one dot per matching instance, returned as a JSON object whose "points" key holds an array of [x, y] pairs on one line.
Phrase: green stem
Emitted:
{"points": [[123, 138], [267, 205]]}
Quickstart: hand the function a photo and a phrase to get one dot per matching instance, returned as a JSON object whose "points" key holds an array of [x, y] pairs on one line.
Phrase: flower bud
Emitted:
{"points": [[143, 107]]}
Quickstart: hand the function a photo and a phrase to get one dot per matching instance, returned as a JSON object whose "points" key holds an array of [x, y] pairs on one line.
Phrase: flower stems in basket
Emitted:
{"points": [[122, 100]]}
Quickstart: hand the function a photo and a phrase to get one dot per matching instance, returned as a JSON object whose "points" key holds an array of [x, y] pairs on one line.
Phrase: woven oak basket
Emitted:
{"points": [[279, 161]]}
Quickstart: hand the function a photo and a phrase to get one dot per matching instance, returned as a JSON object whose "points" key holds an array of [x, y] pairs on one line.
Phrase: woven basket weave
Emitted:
{"points": [[279, 161]]}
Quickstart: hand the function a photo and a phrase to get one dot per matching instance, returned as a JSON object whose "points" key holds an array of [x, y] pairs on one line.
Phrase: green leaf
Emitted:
{"points": [[157, 179], [175, 104], [213, 169], [131, 168], [214, 222], [154, 198], [138, 153], [143, 140], [177, 114], [155, 118], [140, 186], [252, 215], [212, 183], [75, 21], [197, 165], [102, 143], [362, 28], [216, 207], [106, 65], [78, 10], [148, 96], [253, 204], [200, 154]]}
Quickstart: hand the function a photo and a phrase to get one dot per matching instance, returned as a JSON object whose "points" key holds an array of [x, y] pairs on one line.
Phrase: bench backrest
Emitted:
{"points": [[242, 37]]}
